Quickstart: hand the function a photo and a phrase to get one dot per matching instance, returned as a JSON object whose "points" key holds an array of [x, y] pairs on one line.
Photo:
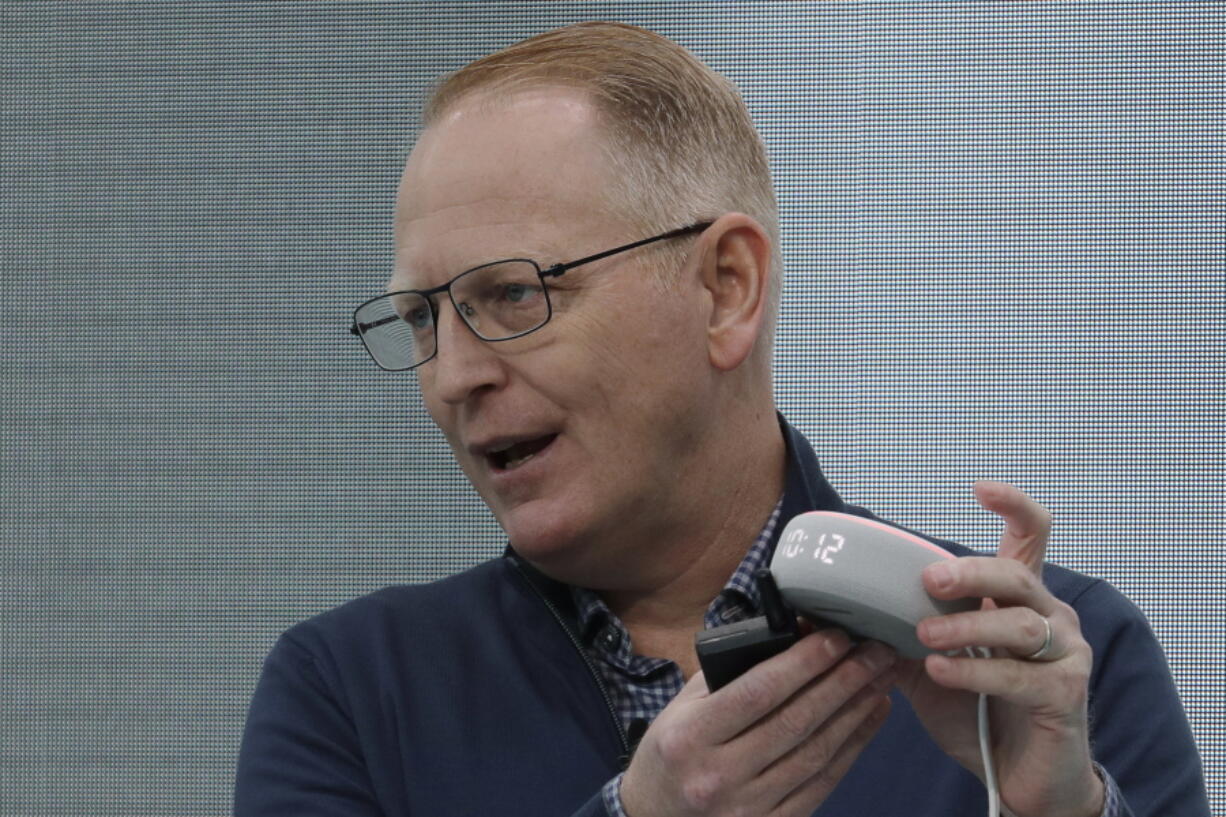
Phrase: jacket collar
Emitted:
{"points": [[805, 487]]}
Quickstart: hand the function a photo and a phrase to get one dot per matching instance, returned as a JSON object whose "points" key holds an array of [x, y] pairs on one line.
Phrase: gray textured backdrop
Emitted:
{"points": [[1003, 229]]}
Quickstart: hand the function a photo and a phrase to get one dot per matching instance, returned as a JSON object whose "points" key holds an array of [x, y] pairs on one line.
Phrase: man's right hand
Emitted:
{"points": [[775, 741]]}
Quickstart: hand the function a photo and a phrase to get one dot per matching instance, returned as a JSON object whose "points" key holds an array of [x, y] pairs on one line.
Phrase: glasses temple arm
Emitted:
{"points": [[558, 269]]}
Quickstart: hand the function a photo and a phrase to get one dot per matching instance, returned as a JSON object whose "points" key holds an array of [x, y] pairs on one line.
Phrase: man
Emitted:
{"points": [[608, 392]]}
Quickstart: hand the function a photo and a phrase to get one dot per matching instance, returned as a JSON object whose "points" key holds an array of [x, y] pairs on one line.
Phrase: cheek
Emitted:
{"points": [[642, 330], [600, 369], [434, 407], [636, 378]]}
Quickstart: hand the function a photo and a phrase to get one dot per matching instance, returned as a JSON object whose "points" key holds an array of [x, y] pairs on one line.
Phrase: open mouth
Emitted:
{"points": [[516, 454]]}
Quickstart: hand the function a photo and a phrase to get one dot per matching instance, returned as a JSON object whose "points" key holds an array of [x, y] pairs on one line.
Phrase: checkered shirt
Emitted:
{"points": [[640, 687]]}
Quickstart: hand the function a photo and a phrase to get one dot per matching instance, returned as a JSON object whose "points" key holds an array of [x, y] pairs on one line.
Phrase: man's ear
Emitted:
{"points": [[735, 273]]}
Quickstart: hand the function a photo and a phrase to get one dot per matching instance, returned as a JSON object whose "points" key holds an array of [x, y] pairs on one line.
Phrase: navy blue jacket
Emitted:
{"points": [[470, 696]]}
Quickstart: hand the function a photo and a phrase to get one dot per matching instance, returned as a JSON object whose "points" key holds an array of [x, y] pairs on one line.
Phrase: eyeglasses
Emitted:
{"points": [[497, 301]]}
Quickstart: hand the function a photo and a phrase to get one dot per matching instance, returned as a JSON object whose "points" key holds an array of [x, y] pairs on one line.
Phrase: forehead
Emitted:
{"points": [[501, 177]]}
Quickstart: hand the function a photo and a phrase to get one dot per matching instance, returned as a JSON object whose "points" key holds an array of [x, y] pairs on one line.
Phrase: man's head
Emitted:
{"points": [[610, 424], [678, 138]]}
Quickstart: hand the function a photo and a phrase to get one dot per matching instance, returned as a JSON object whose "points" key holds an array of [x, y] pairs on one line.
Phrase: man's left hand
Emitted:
{"points": [[1040, 733]]}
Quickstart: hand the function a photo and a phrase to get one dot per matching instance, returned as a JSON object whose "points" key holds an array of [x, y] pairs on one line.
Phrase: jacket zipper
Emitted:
{"points": [[587, 662]]}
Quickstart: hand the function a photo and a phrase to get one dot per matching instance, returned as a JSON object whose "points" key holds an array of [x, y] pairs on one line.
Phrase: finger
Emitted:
{"points": [[1005, 581], [748, 699], [1021, 630], [806, 797], [696, 687], [816, 706], [1039, 686], [815, 752], [1027, 523]]}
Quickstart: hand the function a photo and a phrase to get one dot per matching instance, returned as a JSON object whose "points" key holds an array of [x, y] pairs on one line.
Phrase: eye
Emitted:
{"points": [[518, 293], [419, 317]]}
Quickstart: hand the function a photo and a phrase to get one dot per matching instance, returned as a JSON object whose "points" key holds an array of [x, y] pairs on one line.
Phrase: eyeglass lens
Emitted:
{"points": [[498, 301]]}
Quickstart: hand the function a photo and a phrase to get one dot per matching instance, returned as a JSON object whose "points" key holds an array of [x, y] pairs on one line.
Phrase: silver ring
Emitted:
{"points": [[1042, 651]]}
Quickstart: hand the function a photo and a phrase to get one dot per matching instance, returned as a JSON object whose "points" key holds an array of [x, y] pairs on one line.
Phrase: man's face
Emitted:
{"points": [[576, 435]]}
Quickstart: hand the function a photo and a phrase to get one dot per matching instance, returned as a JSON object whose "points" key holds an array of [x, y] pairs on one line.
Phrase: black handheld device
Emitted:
{"points": [[727, 651]]}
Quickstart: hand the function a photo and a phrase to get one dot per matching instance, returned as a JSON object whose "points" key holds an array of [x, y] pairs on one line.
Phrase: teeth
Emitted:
{"points": [[516, 463], [516, 454]]}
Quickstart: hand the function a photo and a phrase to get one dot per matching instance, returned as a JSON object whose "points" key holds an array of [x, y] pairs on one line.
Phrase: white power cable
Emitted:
{"points": [[985, 743]]}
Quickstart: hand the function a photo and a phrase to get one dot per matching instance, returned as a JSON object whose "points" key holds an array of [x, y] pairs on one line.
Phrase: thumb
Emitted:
{"points": [[695, 687]]}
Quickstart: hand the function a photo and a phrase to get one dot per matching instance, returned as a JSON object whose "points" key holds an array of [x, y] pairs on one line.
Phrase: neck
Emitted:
{"points": [[689, 567]]}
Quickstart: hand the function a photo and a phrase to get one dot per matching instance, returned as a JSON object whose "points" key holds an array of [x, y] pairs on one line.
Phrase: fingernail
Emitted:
{"points": [[936, 629], [941, 575], [878, 656], [885, 680], [881, 712], [988, 488], [836, 643], [939, 662]]}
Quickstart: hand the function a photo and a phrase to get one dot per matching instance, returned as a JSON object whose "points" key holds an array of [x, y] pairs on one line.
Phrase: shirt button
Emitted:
{"points": [[610, 639]]}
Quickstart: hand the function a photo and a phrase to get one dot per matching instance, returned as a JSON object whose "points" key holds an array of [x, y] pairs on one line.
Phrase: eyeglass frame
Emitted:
{"points": [[358, 328]]}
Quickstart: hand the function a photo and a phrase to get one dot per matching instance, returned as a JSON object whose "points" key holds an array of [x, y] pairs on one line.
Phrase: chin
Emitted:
{"points": [[553, 542], [542, 545]]}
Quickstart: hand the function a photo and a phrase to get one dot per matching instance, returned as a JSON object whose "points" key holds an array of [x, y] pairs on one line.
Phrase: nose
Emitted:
{"points": [[464, 365]]}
